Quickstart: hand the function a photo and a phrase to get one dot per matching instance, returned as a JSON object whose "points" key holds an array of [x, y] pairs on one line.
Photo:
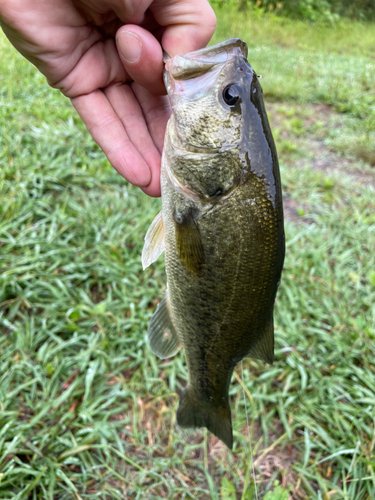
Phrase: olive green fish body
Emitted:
{"points": [[223, 231]]}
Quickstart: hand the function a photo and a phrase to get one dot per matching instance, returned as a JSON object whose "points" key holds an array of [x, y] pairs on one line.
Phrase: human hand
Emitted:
{"points": [[73, 43]]}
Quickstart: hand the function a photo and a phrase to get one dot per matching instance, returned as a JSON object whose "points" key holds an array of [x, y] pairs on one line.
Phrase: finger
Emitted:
{"points": [[153, 189], [189, 25], [109, 133], [142, 57], [129, 111], [156, 110]]}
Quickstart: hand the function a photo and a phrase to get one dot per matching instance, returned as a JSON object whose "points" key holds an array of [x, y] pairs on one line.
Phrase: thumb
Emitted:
{"points": [[188, 24], [142, 57]]}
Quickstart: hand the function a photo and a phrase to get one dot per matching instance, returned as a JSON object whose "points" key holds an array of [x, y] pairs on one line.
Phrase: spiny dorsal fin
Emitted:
{"points": [[162, 335], [154, 241], [189, 243]]}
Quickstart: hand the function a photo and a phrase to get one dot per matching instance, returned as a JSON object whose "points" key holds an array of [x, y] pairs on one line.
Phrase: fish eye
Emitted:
{"points": [[231, 94]]}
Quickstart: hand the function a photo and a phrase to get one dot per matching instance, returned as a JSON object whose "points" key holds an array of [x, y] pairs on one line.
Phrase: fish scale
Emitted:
{"points": [[222, 229]]}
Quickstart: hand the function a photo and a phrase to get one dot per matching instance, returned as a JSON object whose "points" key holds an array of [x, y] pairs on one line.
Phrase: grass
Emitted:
{"points": [[86, 411], [303, 62]]}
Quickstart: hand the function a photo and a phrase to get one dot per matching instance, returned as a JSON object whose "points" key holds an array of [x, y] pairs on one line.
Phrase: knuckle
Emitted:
{"points": [[11, 14]]}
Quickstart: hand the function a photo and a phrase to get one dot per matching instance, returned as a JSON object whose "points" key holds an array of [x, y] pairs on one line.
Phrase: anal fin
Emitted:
{"points": [[263, 348], [162, 335]]}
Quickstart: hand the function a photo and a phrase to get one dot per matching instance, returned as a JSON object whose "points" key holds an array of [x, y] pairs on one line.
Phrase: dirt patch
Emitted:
{"points": [[156, 416], [296, 212], [330, 162], [274, 462], [281, 460], [301, 133]]}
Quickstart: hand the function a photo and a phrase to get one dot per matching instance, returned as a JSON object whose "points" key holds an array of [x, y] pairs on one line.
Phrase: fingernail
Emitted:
{"points": [[129, 46]]}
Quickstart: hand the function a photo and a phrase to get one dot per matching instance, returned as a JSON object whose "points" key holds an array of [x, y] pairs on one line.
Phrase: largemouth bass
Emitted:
{"points": [[221, 227]]}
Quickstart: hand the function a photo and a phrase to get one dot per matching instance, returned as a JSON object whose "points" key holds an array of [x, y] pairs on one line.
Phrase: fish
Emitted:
{"points": [[221, 229]]}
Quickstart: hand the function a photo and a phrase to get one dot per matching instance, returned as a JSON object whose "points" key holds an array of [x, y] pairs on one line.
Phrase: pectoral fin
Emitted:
{"points": [[189, 243], [154, 241], [162, 334], [263, 349]]}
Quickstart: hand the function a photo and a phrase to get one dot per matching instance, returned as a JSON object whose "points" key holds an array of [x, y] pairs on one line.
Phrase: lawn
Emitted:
{"points": [[86, 410]]}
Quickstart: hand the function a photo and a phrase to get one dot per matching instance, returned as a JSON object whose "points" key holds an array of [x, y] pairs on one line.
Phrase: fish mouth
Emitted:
{"points": [[198, 63]]}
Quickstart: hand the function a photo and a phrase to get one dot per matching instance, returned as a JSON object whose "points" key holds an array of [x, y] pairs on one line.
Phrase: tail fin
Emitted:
{"points": [[194, 413]]}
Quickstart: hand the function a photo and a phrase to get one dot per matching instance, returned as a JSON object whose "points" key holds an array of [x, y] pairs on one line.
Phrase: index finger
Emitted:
{"points": [[109, 133]]}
